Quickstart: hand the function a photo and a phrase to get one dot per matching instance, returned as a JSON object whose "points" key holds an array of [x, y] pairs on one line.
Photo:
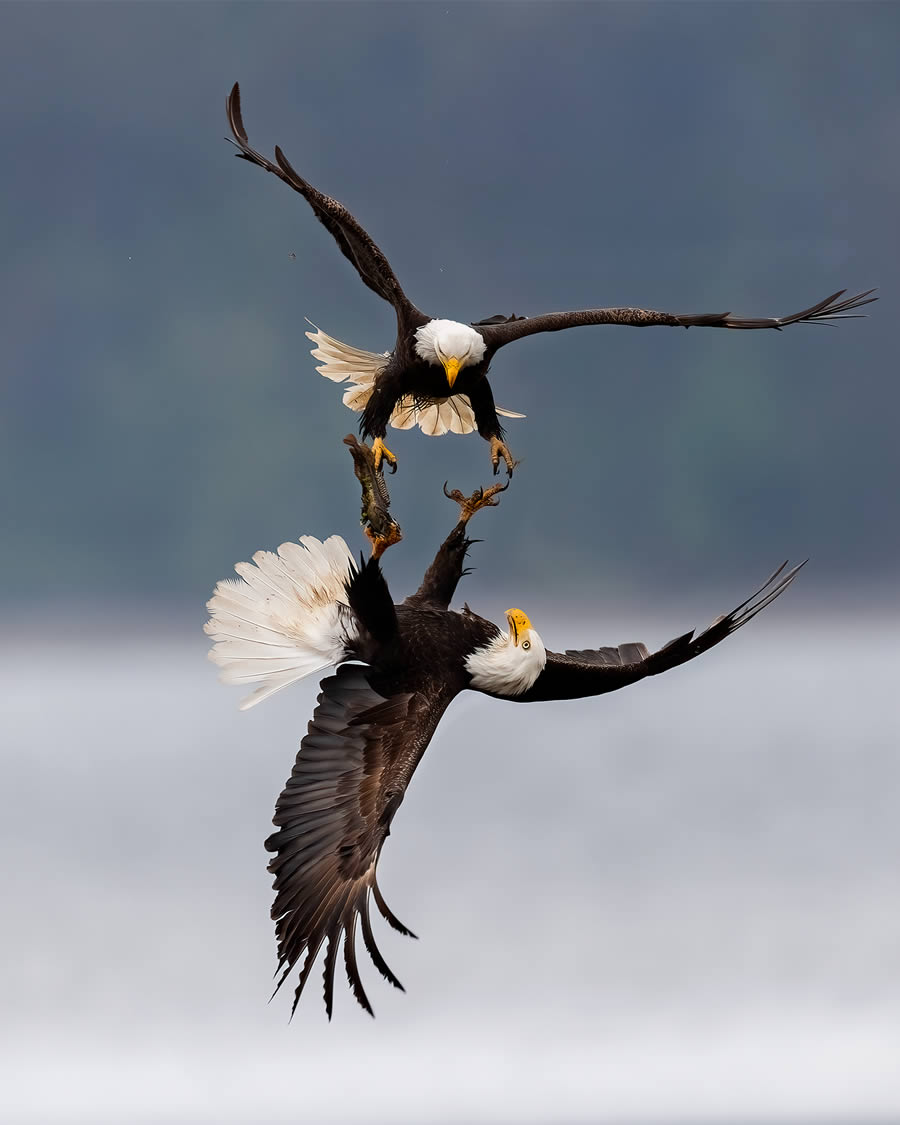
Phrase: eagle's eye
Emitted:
{"points": [[526, 644]]}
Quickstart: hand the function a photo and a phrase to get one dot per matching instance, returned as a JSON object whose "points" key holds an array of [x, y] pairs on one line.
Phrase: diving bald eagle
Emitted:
{"points": [[436, 375], [311, 606]]}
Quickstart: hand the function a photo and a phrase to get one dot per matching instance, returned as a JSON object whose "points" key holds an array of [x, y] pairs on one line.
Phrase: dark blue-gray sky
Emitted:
{"points": [[160, 415]]}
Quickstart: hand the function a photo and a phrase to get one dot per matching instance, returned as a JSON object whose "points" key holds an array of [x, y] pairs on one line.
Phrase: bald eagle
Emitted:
{"points": [[436, 375], [310, 606]]}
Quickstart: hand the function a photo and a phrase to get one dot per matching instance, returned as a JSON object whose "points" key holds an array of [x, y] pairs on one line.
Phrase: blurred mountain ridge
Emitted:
{"points": [[160, 415]]}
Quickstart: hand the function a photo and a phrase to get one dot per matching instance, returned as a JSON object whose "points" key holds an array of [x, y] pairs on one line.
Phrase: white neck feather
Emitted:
{"points": [[442, 339], [507, 668]]}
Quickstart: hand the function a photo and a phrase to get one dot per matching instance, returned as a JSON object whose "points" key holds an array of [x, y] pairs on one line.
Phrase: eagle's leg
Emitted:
{"points": [[480, 498], [482, 399], [381, 529], [382, 453], [499, 449], [441, 578]]}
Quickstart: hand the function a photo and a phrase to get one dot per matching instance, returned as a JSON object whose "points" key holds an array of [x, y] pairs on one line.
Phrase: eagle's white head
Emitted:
{"points": [[512, 661], [450, 344]]}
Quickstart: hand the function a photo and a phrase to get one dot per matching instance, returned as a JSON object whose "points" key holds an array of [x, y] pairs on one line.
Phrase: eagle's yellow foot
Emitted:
{"points": [[498, 450], [480, 498], [380, 543], [382, 453]]}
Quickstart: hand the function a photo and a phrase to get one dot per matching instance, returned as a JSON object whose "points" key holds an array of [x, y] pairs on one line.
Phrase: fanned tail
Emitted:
{"points": [[285, 617]]}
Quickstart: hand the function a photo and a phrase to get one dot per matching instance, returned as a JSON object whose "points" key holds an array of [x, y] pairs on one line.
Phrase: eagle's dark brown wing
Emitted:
{"points": [[333, 817], [831, 309], [355, 244], [578, 673]]}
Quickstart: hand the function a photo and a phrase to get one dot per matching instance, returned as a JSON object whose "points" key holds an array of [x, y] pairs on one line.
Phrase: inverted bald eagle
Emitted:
{"points": [[436, 375], [310, 606]]}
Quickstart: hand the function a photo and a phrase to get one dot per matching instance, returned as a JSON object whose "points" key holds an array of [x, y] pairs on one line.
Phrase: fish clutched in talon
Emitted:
{"points": [[312, 605], [400, 666], [380, 527]]}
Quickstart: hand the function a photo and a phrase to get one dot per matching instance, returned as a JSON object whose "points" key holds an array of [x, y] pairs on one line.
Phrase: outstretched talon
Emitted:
{"points": [[380, 543], [480, 498], [382, 453], [498, 450]]}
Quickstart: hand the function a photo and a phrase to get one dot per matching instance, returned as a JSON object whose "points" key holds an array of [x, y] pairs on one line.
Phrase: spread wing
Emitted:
{"points": [[582, 672], [827, 311], [355, 244], [333, 817]]}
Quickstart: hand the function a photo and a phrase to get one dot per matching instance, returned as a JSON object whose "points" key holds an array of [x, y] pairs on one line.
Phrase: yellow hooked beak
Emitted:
{"points": [[518, 623], [451, 366]]}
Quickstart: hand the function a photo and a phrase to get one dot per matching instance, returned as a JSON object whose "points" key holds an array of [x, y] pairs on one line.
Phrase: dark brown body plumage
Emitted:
{"points": [[372, 724], [407, 374]]}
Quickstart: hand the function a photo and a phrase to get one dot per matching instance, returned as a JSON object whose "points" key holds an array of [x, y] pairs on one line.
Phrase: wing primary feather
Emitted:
{"points": [[746, 611], [319, 927], [752, 610], [840, 311], [756, 593], [350, 959], [374, 952], [334, 937], [311, 954], [832, 308], [315, 923], [332, 818], [763, 595], [388, 914], [353, 242], [578, 674], [233, 112]]}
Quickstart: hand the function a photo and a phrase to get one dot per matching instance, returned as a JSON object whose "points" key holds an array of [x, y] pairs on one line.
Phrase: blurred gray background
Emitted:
{"points": [[675, 904]]}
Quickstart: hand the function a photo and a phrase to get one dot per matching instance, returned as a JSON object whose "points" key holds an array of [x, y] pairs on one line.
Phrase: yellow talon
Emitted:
{"points": [[498, 450], [381, 452]]}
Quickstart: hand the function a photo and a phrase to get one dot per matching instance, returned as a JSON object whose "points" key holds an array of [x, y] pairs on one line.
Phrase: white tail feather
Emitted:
{"points": [[342, 363], [284, 618]]}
